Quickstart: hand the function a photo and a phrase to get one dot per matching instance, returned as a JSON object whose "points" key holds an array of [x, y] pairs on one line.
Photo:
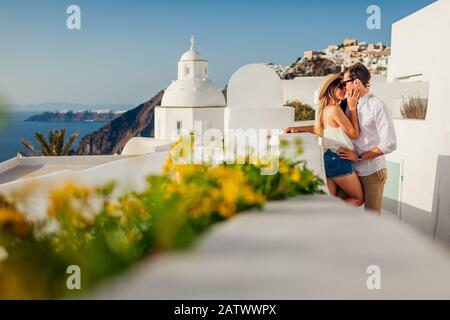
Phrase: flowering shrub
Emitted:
{"points": [[105, 234]]}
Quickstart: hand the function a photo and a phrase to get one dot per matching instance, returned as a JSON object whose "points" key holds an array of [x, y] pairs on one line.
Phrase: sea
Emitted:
{"points": [[13, 127]]}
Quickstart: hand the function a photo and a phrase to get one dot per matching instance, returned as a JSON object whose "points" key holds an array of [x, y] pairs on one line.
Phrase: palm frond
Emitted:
{"points": [[30, 147], [54, 146], [45, 147], [69, 143], [59, 145]]}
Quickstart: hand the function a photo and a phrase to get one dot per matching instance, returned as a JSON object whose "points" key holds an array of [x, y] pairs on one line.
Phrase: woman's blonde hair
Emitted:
{"points": [[326, 99]]}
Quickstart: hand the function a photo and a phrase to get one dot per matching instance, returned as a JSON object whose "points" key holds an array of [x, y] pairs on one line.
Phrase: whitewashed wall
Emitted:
{"points": [[312, 153], [255, 100], [141, 146], [166, 121], [129, 173], [417, 42], [301, 89], [420, 46], [210, 117]]}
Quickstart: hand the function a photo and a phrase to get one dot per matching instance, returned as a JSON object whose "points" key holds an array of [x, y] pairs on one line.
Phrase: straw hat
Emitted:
{"points": [[326, 83]]}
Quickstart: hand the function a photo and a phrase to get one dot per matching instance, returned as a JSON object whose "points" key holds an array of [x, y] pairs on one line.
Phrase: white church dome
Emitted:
{"points": [[192, 55], [193, 93], [193, 88]]}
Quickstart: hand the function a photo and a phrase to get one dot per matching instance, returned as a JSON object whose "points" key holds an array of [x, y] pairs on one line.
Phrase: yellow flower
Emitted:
{"points": [[295, 176], [168, 165], [226, 210], [75, 204], [283, 168], [132, 206], [113, 209], [187, 170], [252, 198], [15, 219]]}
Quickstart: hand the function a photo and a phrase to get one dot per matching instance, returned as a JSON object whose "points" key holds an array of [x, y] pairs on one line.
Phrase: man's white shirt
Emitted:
{"points": [[376, 130]]}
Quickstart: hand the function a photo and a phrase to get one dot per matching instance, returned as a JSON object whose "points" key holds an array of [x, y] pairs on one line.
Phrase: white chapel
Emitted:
{"points": [[191, 98]]}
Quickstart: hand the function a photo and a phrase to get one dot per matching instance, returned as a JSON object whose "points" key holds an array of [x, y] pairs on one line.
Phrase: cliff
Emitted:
{"points": [[312, 68], [110, 139]]}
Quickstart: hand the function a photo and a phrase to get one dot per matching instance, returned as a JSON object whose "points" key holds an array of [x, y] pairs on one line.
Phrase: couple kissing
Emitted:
{"points": [[357, 131]]}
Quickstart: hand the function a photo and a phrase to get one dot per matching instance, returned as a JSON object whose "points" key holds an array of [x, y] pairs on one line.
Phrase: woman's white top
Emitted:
{"points": [[334, 138]]}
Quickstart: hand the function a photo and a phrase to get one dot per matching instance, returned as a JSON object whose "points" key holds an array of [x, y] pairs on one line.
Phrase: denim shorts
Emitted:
{"points": [[335, 166]]}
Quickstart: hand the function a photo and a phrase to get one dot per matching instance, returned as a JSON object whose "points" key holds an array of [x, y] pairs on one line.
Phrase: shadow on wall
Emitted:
{"points": [[441, 201], [436, 223]]}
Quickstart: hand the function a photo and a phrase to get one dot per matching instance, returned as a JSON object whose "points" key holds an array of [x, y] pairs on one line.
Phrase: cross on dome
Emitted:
{"points": [[192, 55], [192, 42], [193, 89]]}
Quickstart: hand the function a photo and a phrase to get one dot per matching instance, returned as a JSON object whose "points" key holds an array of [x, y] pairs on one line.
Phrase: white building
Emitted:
{"points": [[191, 103], [418, 185], [255, 100], [192, 98], [420, 165]]}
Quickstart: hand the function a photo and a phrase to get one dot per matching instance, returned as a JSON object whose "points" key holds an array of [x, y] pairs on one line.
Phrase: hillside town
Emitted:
{"points": [[335, 58]]}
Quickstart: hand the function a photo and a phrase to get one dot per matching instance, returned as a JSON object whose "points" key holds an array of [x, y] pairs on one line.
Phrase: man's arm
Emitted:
{"points": [[375, 152], [386, 132], [351, 155], [385, 129], [308, 129]]}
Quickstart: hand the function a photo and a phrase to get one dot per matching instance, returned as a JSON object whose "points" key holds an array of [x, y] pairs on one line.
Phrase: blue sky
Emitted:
{"points": [[127, 50]]}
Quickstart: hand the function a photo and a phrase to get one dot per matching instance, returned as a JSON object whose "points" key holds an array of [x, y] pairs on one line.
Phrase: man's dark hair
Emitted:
{"points": [[343, 104], [360, 72]]}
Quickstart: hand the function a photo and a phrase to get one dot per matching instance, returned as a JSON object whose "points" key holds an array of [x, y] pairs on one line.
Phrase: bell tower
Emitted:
{"points": [[192, 65]]}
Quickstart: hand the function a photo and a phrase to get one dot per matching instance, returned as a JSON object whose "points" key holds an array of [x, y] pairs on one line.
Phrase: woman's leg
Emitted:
{"points": [[352, 187], [331, 187]]}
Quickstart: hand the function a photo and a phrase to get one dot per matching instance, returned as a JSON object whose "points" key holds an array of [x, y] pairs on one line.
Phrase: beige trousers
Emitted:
{"points": [[373, 186]]}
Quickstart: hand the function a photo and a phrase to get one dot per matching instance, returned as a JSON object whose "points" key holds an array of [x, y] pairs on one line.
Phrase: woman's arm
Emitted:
{"points": [[350, 127], [309, 129]]}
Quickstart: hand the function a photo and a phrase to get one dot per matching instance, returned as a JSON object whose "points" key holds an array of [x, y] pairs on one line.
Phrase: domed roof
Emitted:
{"points": [[192, 55], [193, 93], [255, 86]]}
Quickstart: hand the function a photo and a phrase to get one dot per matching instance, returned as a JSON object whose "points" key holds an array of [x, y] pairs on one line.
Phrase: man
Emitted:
{"points": [[376, 139]]}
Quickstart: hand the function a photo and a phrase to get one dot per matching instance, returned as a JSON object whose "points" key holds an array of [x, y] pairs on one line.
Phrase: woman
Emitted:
{"points": [[336, 129]]}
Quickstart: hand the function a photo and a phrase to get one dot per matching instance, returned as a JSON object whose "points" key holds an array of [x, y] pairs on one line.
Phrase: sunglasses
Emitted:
{"points": [[344, 82], [341, 84]]}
